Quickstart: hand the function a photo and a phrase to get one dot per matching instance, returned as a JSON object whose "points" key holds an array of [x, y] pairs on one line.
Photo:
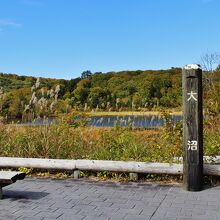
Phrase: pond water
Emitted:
{"points": [[37, 121], [138, 121]]}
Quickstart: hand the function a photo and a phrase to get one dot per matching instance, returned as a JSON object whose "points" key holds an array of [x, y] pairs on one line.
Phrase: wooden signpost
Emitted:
{"points": [[192, 128]]}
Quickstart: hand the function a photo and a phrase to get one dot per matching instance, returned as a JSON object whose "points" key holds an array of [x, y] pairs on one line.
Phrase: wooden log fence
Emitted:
{"points": [[101, 165]]}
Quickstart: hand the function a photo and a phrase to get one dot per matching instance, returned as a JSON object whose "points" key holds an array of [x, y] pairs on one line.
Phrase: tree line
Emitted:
{"points": [[112, 91]]}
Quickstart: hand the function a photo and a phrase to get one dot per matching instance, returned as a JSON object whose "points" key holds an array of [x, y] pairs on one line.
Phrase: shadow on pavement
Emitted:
{"points": [[28, 195]]}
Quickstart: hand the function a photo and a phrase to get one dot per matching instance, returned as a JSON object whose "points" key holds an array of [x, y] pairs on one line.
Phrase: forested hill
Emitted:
{"points": [[110, 91], [10, 82], [130, 89]]}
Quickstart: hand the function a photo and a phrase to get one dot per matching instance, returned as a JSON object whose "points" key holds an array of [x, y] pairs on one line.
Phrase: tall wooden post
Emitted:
{"points": [[192, 128]]}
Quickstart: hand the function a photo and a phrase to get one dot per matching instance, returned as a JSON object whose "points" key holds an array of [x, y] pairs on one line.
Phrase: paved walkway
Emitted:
{"points": [[69, 199]]}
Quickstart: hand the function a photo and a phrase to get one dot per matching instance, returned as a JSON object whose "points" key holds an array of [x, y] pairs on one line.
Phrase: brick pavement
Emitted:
{"points": [[70, 199]]}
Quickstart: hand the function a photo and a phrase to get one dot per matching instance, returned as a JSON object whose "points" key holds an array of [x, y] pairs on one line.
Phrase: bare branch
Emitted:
{"points": [[209, 63]]}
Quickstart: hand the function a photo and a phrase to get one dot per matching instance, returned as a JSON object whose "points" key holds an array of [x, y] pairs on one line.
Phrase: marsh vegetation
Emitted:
{"points": [[72, 138]]}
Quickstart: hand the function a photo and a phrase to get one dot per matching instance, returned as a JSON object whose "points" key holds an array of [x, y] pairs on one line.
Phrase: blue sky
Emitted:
{"points": [[62, 38]]}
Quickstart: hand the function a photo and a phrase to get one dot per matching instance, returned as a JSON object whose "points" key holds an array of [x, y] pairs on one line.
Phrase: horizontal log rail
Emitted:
{"points": [[101, 165], [206, 159]]}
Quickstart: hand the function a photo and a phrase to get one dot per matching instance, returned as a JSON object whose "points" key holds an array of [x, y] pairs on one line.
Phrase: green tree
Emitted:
{"points": [[81, 92], [86, 74], [15, 102], [99, 97]]}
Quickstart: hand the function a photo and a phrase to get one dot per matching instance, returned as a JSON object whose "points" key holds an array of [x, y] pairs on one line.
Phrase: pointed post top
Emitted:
{"points": [[192, 67]]}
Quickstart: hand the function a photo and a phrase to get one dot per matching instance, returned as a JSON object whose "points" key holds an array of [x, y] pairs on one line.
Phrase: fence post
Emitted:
{"points": [[192, 128]]}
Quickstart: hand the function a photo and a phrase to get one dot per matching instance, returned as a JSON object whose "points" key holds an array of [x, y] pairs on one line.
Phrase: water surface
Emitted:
{"points": [[138, 121]]}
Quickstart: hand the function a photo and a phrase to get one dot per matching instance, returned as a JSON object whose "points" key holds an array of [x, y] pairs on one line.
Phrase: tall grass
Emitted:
{"points": [[63, 141], [117, 143]]}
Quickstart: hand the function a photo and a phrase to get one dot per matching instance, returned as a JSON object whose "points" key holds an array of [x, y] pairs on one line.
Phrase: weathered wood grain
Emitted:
{"points": [[192, 128], [38, 163]]}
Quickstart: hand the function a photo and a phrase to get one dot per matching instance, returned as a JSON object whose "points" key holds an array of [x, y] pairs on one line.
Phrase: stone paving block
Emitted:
{"points": [[74, 202], [66, 216], [153, 204], [127, 205], [106, 211], [196, 202], [8, 216], [207, 207], [137, 217], [194, 217], [26, 212], [180, 205], [114, 216], [166, 204], [157, 218], [182, 218], [148, 211], [172, 214], [134, 211], [198, 211], [101, 204], [61, 204], [72, 211], [96, 218], [45, 209], [84, 207], [30, 217], [94, 212], [5, 209], [143, 204], [53, 215], [113, 200], [185, 213]]}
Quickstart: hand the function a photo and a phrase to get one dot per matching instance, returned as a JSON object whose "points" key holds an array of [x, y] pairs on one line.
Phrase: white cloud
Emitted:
{"points": [[4, 23]]}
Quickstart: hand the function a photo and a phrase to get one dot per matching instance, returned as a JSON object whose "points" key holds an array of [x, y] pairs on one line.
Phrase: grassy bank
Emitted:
{"points": [[130, 113], [62, 141], [66, 142]]}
